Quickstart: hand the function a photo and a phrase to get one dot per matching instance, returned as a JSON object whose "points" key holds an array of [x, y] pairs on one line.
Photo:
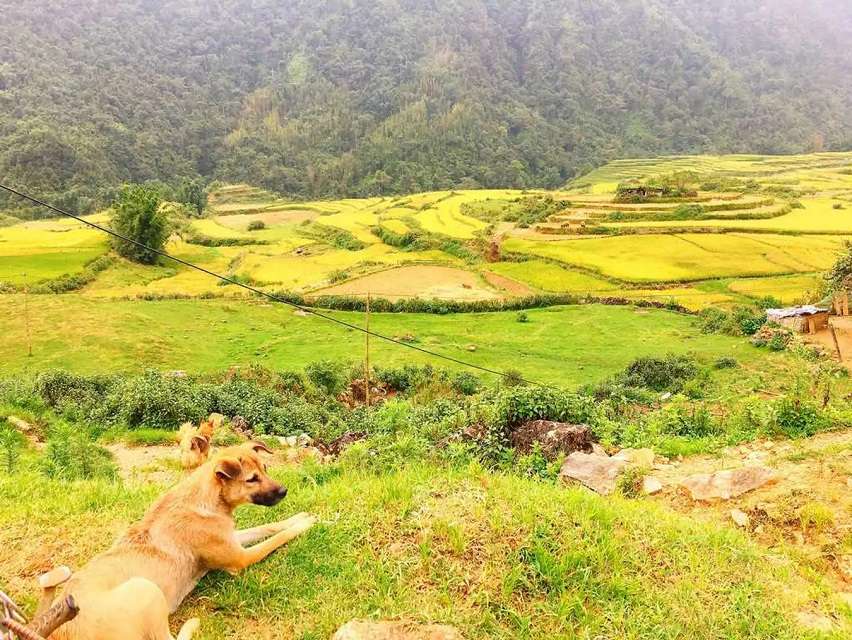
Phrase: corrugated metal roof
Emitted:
{"points": [[792, 312]]}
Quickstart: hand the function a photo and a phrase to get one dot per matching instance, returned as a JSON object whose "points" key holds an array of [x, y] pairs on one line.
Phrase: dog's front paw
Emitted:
{"points": [[305, 522]]}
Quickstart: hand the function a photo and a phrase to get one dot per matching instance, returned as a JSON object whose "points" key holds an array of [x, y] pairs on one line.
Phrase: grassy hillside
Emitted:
{"points": [[498, 556]]}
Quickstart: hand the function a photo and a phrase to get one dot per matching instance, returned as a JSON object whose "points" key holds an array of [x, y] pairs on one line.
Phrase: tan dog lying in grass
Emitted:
{"points": [[129, 591], [195, 443]]}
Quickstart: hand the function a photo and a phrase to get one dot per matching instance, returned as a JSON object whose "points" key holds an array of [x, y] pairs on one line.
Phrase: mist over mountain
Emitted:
{"points": [[360, 97]]}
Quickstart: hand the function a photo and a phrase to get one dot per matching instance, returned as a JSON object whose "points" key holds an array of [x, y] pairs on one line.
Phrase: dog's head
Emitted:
{"points": [[243, 478]]}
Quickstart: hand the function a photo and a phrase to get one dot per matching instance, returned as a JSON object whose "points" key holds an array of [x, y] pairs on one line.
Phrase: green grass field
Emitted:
{"points": [[561, 345]]}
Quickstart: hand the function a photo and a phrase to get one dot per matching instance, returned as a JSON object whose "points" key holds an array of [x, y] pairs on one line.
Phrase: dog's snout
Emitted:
{"points": [[271, 497]]}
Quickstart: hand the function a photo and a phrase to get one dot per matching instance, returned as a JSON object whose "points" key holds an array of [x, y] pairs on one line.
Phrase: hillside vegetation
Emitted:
{"points": [[363, 98]]}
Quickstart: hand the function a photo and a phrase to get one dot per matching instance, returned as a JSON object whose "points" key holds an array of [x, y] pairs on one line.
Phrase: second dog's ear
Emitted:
{"points": [[200, 443], [259, 446], [228, 468]]}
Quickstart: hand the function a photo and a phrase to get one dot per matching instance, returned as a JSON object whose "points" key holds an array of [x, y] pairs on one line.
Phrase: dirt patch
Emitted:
{"points": [[269, 218], [512, 287], [419, 281], [158, 463]]}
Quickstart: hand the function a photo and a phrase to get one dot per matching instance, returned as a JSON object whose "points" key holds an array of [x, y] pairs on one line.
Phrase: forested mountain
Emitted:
{"points": [[367, 96]]}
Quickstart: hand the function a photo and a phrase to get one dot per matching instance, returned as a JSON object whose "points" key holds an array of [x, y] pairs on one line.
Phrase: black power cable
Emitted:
{"points": [[260, 292]]}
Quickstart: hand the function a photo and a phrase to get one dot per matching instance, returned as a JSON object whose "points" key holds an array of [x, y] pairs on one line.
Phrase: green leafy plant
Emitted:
{"points": [[137, 216]]}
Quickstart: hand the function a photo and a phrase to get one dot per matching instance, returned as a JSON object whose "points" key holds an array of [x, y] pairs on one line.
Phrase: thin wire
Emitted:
{"points": [[260, 292]]}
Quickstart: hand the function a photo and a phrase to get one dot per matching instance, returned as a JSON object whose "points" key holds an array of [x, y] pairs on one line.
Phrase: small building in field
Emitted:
{"points": [[803, 319]]}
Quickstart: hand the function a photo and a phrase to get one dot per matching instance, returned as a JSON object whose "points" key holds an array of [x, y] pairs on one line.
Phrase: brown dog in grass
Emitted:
{"points": [[195, 443], [129, 591]]}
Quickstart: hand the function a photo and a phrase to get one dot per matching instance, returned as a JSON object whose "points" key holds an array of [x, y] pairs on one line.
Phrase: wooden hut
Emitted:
{"points": [[803, 319]]}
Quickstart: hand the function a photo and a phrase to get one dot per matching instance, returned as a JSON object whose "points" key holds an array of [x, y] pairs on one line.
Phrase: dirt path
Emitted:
{"points": [[810, 506]]}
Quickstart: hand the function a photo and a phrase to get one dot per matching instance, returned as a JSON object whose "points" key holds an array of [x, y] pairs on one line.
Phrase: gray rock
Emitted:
{"points": [[727, 484], [651, 485], [394, 630], [598, 473]]}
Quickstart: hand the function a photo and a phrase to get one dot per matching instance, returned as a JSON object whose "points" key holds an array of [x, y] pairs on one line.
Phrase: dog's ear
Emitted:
{"points": [[228, 468], [200, 443], [258, 446]]}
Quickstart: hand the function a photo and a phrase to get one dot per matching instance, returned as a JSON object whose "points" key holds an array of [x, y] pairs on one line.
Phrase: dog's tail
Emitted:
{"points": [[188, 629], [187, 428]]}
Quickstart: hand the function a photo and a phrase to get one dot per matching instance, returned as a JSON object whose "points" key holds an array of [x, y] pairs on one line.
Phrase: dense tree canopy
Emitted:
{"points": [[375, 96]]}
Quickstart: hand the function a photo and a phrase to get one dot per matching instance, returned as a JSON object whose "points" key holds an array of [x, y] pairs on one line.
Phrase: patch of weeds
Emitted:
{"points": [[12, 443], [815, 516], [71, 454], [629, 483]]}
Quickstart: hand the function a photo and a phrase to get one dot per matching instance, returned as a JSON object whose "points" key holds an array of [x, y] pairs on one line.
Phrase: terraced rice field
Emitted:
{"points": [[756, 226]]}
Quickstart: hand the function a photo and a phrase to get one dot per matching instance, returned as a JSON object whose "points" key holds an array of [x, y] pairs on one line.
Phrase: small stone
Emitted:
{"points": [[393, 630], [471, 347], [845, 565], [740, 518], [651, 485], [758, 529], [799, 537], [768, 445], [598, 449], [727, 484], [665, 396], [849, 482], [814, 621]]}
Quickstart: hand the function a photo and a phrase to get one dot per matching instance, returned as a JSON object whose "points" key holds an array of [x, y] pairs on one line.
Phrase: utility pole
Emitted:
{"points": [[367, 356]]}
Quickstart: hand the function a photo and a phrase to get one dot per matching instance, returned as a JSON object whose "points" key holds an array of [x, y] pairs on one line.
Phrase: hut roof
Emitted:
{"points": [[792, 312]]}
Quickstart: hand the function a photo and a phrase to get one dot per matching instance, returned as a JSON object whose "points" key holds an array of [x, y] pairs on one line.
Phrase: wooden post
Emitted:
{"points": [[836, 343], [367, 356]]}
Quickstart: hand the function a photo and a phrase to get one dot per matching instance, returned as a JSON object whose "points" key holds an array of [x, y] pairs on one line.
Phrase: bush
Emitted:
{"points": [[465, 383], [514, 405], [837, 206], [661, 374], [326, 376], [137, 216], [740, 321], [725, 362], [798, 417], [256, 225], [522, 317], [404, 378]]}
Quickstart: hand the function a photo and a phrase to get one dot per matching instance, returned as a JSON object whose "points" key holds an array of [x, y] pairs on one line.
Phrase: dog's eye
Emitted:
{"points": [[252, 479]]}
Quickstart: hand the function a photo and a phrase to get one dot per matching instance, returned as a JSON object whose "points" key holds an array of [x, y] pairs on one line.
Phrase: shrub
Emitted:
{"points": [[404, 378], [725, 362], [512, 378], [256, 225], [514, 405], [465, 383], [326, 375], [661, 374], [740, 321], [522, 317], [338, 275], [136, 215], [837, 206], [798, 417]]}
